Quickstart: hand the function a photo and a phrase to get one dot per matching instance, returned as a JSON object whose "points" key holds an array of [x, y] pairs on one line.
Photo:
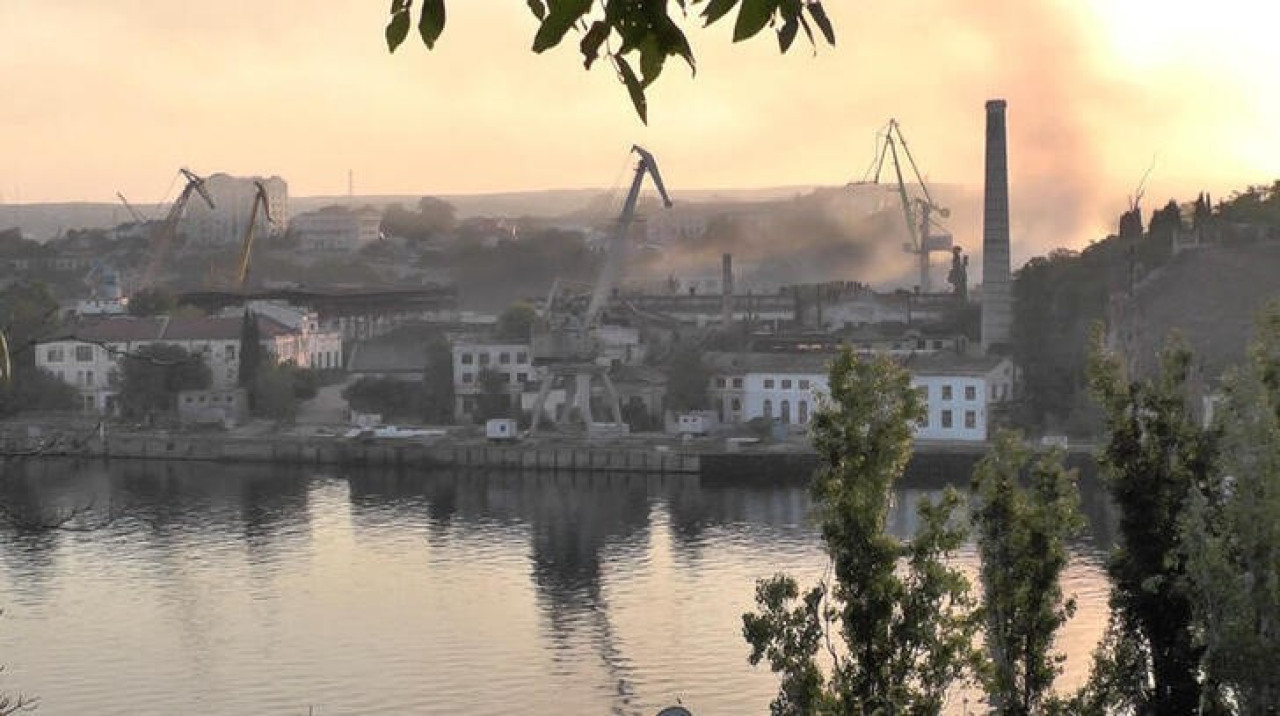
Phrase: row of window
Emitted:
{"points": [[784, 412], [970, 392], [769, 383], [83, 354], [469, 378], [504, 358], [945, 418]]}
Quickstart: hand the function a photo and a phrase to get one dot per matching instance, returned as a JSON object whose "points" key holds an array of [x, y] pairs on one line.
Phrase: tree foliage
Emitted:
{"points": [[434, 217], [152, 302], [28, 314], [516, 322], [274, 391], [903, 616], [153, 375], [687, 380], [631, 34], [1022, 541], [494, 400], [1154, 460], [1232, 535], [251, 357]]}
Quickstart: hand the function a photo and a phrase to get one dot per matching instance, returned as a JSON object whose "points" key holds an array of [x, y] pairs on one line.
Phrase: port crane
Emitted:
{"points": [[565, 341], [260, 203], [916, 211], [163, 235]]}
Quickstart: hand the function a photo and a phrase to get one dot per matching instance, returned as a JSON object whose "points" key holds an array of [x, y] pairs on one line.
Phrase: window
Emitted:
{"points": [[720, 382], [768, 408], [467, 359], [737, 405], [522, 357], [484, 359], [802, 413], [786, 411], [229, 352], [946, 418], [970, 392], [804, 385], [84, 354], [946, 392], [504, 358], [88, 378], [53, 355], [970, 419], [768, 382], [737, 382], [522, 377], [786, 384], [937, 345], [468, 377]]}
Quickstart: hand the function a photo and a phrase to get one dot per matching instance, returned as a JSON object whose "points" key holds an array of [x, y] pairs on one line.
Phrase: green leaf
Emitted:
{"points": [[398, 27], [561, 14], [808, 31], [591, 42], [538, 9], [819, 16], [431, 23], [787, 33], [717, 9], [634, 88], [652, 57], [676, 43], [752, 17]]}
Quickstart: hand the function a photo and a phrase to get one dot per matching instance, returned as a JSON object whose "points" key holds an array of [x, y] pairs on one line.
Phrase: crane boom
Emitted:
{"points": [[617, 243], [162, 237], [137, 215], [246, 245]]}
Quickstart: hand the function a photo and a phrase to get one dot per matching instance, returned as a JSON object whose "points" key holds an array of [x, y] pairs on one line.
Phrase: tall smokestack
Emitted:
{"points": [[997, 295], [726, 290]]}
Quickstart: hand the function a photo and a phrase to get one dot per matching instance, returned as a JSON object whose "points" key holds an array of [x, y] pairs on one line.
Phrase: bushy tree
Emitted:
{"points": [[494, 400], [687, 380], [28, 314], [516, 323], [1232, 535], [251, 356], [152, 376], [904, 618], [1154, 460], [1022, 537], [152, 302], [273, 392]]}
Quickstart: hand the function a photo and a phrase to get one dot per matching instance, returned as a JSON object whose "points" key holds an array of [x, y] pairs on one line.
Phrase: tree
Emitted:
{"points": [[1155, 458], [28, 314], [1022, 540], [1232, 535], [152, 376], [250, 350], [273, 392], [516, 323], [388, 397], [625, 31], [494, 400], [152, 302], [687, 380], [904, 615], [437, 381]]}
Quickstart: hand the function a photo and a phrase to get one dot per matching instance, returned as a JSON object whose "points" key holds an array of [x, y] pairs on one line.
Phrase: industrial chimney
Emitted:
{"points": [[726, 291], [997, 291]]}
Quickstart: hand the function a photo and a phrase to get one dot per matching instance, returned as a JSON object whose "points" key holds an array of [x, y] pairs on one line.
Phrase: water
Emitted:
{"points": [[255, 590]]}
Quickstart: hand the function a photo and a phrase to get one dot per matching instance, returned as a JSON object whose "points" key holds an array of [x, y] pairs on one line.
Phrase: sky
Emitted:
{"points": [[104, 97]]}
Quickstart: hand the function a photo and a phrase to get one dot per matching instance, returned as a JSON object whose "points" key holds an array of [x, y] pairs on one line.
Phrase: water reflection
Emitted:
{"points": [[234, 589]]}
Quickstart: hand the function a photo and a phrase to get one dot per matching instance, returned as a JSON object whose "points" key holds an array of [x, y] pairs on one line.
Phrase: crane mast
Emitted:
{"points": [[260, 201], [162, 238], [137, 215]]}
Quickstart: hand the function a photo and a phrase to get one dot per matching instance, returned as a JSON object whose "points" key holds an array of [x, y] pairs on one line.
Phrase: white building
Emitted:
{"points": [[233, 197], [473, 356], [88, 355], [957, 390], [338, 228]]}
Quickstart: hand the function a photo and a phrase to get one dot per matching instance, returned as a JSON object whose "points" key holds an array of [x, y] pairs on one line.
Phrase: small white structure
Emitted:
{"points": [[698, 422], [501, 429]]}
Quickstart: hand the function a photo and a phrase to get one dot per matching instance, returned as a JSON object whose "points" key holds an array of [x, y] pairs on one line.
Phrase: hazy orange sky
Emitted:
{"points": [[100, 97]]}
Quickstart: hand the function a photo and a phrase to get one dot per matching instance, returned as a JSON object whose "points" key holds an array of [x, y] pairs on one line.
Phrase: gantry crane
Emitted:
{"points": [[916, 211], [162, 236], [565, 343], [260, 201]]}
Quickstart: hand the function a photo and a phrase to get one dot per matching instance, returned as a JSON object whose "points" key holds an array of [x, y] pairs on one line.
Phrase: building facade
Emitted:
{"points": [[473, 356], [958, 391], [233, 197], [337, 229]]}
